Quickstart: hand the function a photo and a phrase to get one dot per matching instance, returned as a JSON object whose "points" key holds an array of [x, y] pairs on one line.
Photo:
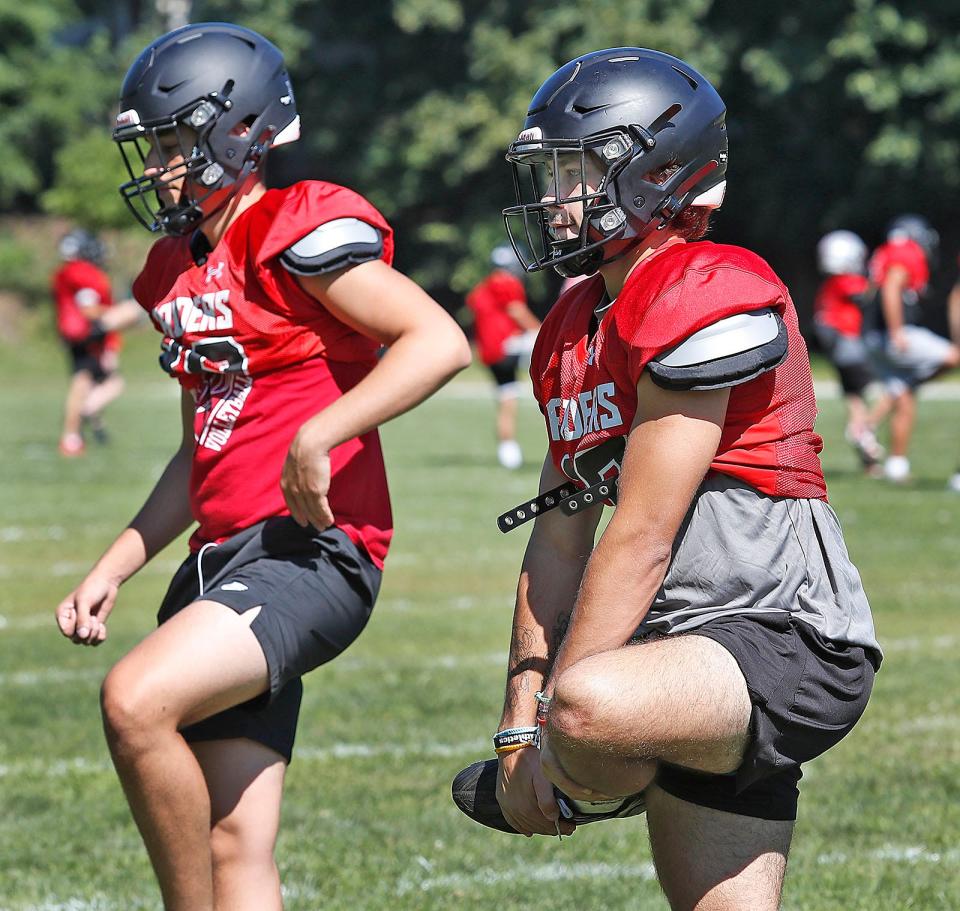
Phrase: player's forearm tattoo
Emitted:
{"points": [[523, 660]]}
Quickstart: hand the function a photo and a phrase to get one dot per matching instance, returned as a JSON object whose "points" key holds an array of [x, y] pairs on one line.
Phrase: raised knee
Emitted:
{"points": [[128, 715], [583, 702]]}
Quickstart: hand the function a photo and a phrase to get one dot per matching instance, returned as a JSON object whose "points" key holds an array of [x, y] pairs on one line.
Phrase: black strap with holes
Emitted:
{"points": [[566, 496], [589, 496], [532, 508]]}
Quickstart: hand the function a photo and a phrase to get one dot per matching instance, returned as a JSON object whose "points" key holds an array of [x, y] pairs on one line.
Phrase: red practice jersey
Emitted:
{"points": [[261, 356], [836, 303], [587, 386], [905, 253], [81, 288], [493, 325]]}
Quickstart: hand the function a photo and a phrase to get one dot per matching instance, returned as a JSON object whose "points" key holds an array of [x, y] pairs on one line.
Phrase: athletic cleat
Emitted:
{"points": [[509, 454], [475, 794], [867, 447], [71, 445]]}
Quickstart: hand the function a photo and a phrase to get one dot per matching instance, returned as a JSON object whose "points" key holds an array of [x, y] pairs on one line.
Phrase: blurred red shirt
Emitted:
{"points": [[493, 325]]}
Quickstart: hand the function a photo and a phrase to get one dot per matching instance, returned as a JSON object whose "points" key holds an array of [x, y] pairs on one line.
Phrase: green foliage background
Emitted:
{"points": [[841, 112]]}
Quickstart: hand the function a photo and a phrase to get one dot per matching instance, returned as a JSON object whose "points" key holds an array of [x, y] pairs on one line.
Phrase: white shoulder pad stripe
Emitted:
{"points": [[724, 338], [334, 234]]}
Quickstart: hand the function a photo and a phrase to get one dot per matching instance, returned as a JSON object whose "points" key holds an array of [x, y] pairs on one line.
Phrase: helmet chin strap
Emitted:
{"points": [[187, 216]]}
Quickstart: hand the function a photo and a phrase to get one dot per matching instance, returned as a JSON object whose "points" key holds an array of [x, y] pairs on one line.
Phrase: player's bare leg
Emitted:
{"points": [[709, 860], [71, 443], [681, 699], [902, 419], [508, 450], [101, 395], [199, 662], [245, 783]]}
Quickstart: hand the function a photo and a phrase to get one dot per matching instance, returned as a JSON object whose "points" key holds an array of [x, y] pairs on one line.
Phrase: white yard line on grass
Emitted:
{"points": [[334, 751], [545, 873], [563, 872]]}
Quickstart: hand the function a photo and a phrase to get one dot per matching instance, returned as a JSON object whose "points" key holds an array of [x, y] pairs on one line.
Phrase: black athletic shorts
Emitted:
{"points": [[87, 356], [854, 378], [505, 371], [807, 694], [315, 591]]}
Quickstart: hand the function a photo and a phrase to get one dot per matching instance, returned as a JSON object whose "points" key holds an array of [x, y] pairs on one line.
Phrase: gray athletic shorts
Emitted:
{"points": [[770, 580], [923, 358], [315, 592]]}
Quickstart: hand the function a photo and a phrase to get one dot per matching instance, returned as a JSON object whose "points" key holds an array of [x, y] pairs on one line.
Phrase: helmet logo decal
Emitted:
{"points": [[128, 118]]}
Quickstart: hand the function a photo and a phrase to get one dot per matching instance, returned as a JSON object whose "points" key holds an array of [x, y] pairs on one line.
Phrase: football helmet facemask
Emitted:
{"points": [[653, 128], [217, 97]]}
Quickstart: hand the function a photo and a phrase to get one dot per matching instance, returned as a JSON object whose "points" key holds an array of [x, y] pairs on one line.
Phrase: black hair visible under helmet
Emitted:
{"points": [[215, 93], [635, 111]]}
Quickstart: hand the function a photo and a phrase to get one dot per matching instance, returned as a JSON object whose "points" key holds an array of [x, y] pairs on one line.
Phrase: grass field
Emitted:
{"points": [[368, 823]]}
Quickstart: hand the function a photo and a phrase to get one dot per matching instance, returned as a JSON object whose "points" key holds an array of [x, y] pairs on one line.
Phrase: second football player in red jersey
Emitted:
{"points": [[838, 320], [715, 636], [904, 353], [272, 305]]}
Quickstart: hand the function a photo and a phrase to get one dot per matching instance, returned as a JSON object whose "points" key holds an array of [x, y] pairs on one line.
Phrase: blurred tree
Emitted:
{"points": [[842, 112]]}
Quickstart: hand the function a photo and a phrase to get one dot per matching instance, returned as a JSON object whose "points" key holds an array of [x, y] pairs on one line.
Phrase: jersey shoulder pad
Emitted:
{"points": [[333, 245], [729, 352]]}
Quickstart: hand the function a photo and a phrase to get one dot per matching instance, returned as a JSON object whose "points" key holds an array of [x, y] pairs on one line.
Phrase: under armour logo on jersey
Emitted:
{"points": [[591, 355], [214, 272]]}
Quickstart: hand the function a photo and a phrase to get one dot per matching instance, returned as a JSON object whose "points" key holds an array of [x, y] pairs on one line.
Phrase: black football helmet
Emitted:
{"points": [[639, 113], [80, 244], [918, 229], [217, 94]]}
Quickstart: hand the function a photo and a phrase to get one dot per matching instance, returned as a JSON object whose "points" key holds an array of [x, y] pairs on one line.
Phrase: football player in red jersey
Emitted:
{"points": [[272, 305], [88, 323], [505, 328], [905, 354], [715, 636], [838, 320]]}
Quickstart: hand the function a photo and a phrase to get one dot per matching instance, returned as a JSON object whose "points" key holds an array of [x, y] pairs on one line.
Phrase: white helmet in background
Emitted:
{"points": [[841, 253], [503, 256]]}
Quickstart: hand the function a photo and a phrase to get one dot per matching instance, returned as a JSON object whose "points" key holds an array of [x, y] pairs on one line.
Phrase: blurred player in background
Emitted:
{"points": [[715, 636], [904, 353], [505, 329], [838, 321], [89, 325], [272, 305]]}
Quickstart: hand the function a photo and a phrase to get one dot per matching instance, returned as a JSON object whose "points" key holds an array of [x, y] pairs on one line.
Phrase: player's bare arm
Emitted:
{"points": [[425, 349], [553, 565], [82, 615], [669, 449], [523, 316]]}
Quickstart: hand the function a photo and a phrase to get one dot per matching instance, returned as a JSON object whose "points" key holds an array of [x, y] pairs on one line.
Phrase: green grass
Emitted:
{"points": [[368, 823]]}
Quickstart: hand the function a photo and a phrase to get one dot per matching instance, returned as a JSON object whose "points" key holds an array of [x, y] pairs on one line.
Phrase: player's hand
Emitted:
{"points": [[526, 796], [305, 482], [82, 615], [898, 341]]}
